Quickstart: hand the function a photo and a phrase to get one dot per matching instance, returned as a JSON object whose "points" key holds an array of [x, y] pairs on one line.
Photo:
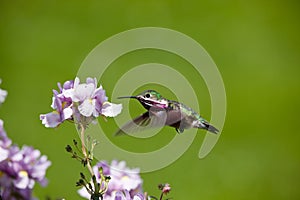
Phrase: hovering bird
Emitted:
{"points": [[163, 112]]}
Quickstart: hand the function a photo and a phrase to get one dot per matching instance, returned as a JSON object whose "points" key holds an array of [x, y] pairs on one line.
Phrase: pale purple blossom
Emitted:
{"points": [[90, 98], [25, 167], [63, 112], [20, 169], [122, 178], [79, 102]]}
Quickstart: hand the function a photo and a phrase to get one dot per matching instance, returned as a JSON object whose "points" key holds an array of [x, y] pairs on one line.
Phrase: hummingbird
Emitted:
{"points": [[163, 112]]}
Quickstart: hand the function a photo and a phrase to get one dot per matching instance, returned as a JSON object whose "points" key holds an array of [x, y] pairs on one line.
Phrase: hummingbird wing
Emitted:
{"points": [[154, 118], [131, 126]]}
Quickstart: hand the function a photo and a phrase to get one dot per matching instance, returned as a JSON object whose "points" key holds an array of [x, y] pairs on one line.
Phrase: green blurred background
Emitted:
{"points": [[255, 45]]}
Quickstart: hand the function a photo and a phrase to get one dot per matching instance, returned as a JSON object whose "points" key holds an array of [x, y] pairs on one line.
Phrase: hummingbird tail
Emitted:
{"points": [[205, 125]]}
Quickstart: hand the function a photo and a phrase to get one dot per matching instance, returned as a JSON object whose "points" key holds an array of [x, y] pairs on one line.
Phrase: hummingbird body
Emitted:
{"points": [[164, 112]]}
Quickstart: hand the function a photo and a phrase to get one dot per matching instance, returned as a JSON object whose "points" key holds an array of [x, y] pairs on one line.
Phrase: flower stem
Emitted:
{"points": [[84, 150], [161, 196]]}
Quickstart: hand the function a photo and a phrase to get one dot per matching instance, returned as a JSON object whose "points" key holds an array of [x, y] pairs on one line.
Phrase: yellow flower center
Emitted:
{"points": [[63, 104], [23, 173], [125, 178], [106, 102]]}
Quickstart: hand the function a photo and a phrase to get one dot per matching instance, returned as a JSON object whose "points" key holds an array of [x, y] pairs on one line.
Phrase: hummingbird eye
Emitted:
{"points": [[147, 95]]}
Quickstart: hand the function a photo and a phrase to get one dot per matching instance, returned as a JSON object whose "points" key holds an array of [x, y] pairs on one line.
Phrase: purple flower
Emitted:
{"points": [[90, 98], [125, 195], [20, 169], [63, 112], [25, 167], [3, 94], [13, 193], [122, 178], [82, 102]]}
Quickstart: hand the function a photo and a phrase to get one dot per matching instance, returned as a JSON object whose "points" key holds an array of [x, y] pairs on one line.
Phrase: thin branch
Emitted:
{"points": [[84, 150]]}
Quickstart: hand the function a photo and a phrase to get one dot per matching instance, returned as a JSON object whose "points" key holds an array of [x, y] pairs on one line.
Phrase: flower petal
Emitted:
{"points": [[23, 180], [111, 110], [3, 94], [76, 82], [3, 154], [67, 112], [83, 91], [87, 107], [69, 93], [51, 120]]}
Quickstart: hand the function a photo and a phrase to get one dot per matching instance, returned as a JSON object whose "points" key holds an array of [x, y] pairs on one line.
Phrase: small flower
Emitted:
{"points": [[122, 178], [79, 102], [3, 94], [166, 188], [63, 112], [90, 98]]}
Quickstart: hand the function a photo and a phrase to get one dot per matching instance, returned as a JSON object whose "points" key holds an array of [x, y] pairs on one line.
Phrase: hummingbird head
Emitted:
{"points": [[150, 98]]}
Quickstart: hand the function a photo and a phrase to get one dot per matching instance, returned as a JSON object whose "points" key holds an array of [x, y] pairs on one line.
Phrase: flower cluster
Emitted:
{"points": [[79, 102], [125, 183], [20, 168]]}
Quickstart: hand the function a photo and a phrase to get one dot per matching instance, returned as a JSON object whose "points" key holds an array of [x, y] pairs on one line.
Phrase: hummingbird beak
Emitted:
{"points": [[126, 97]]}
